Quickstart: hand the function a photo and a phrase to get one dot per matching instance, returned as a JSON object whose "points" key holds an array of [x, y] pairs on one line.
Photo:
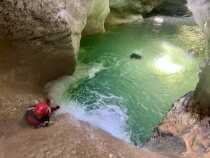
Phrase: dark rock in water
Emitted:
{"points": [[135, 56]]}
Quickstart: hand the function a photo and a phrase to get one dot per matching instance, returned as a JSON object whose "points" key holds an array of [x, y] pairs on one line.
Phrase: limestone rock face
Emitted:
{"points": [[201, 102], [97, 14], [133, 6], [187, 136], [127, 11], [201, 13], [52, 28], [44, 20], [59, 22], [193, 39]]}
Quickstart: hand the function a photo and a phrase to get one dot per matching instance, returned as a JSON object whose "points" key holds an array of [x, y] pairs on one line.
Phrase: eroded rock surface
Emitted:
{"points": [[49, 23], [68, 138], [201, 14], [190, 137], [128, 11], [44, 22], [97, 14]]}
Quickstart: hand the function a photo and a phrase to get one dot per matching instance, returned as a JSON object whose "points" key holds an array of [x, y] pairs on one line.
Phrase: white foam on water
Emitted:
{"points": [[110, 118], [95, 69], [57, 88], [107, 115]]}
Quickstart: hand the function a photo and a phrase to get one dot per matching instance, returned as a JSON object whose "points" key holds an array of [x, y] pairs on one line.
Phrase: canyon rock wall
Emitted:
{"points": [[181, 134], [97, 14], [200, 103], [201, 13], [43, 22], [52, 28], [128, 11]]}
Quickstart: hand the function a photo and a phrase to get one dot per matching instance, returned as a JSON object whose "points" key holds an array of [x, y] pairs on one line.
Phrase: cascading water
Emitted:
{"points": [[128, 97]]}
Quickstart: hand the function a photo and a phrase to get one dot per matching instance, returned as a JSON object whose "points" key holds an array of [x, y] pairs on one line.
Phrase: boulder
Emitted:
{"points": [[44, 22], [52, 28], [97, 14], [129, 11], [182, 132]]}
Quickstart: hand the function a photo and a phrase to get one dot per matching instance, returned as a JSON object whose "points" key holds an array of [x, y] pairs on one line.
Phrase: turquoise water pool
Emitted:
{"points": [[120, 94]]}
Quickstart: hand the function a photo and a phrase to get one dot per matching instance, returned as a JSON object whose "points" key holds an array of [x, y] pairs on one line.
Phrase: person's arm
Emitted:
{"points": [[53, 109], [31, 107]]}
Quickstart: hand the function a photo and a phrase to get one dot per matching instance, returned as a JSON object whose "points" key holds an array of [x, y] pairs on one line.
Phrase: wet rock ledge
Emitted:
{"points": [[181, 133]]}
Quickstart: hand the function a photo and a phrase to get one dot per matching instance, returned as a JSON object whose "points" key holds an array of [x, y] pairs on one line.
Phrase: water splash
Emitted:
{"points": [[106, 114], [95, 69], [110, 118], [57, 88]]}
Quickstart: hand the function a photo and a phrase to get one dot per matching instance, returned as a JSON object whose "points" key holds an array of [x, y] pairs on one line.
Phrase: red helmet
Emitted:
{"points": [[41, 109]]}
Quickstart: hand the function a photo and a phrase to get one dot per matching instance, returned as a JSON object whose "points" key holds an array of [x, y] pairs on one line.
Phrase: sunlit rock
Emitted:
{"points": [[189, 136], [201, 13], [97, 13], [129, 11], [201, 99], [193, 40]]}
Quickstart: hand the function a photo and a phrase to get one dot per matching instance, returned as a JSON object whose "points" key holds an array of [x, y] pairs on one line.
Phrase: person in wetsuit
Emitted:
{"points": [[39, 114], [135, 56]]}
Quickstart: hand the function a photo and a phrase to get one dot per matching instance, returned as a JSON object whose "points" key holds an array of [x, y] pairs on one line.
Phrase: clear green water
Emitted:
{"points": [[145, 89]]}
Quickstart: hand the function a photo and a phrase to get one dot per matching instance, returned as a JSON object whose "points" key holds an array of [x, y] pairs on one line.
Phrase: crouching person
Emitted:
{"points": [[39, 114]]}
